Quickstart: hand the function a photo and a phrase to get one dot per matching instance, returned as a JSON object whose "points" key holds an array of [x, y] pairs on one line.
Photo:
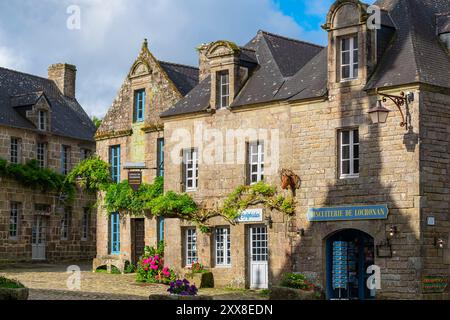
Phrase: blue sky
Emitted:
{"points": [[33, 34]]}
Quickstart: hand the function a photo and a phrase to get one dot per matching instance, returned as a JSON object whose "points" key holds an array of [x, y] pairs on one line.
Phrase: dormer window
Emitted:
{"points": [[223, 89], [42, 120], [139, 106], [349, 58]]}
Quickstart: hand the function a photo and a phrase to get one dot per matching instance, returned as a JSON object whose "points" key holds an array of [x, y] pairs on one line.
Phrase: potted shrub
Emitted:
{"points": [[151, 269], [12, 290], [200, 276], [180, 290], [295, 286]]}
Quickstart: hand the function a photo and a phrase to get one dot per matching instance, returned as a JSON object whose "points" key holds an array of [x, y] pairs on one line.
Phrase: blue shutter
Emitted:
{"points": [[160, 158], [161, 229], [140, 105], [115, 233], [115, 163]]}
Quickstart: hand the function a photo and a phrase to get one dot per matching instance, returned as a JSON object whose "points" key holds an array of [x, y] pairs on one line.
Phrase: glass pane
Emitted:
{"points": [[355, 71], [345, 167], [346, 57], [346, 72], [356, 136], [356, 166], [345, 44], [356, 151], [355, 42], [345, 137], [346, 152]]}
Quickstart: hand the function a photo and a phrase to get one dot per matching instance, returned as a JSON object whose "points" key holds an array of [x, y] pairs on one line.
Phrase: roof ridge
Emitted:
{"points": [[26, 74], [290, 39], [178, 64]]}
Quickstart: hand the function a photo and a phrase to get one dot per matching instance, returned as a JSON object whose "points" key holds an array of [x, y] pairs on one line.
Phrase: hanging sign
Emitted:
{"points": [[135, 179], [378, 212], [434, 284], [251, 215]]}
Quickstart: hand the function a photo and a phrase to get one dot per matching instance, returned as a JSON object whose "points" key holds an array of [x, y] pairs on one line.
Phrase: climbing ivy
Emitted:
{"points": [[92, 174], [32, 176]]}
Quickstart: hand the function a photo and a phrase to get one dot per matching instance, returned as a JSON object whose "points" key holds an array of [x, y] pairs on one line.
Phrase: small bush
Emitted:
{"points": [[296, 281], [10, 284]]}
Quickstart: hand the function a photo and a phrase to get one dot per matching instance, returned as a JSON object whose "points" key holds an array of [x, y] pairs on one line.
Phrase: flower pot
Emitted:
{"points": [[174, 297], [285, 182], [201, 280], [14, 294]]}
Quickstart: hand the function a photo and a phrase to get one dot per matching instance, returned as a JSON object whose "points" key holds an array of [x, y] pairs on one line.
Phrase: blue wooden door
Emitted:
{"points": [[115, 233]]}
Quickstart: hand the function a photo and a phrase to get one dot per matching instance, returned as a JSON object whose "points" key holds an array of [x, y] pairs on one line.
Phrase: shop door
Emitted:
{"points": [[349, 254], [38, 244], [139, 239], [259, 257]]}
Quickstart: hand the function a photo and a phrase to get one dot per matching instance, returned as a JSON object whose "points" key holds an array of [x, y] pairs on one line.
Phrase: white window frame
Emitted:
{"points": [[42, 120], [85, 153], [352, 157], [14, 217], [224, 86], [15, 152], [223, 247], [65, 221], [85, 225], [191, 249], [65, 159], [353, 53], [41, 154], [256, 149], [190, 163]]}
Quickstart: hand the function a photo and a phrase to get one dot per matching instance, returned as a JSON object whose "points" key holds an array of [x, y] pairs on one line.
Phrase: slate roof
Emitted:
{"points": [[184, 77], [294, 70], [20, 90]]}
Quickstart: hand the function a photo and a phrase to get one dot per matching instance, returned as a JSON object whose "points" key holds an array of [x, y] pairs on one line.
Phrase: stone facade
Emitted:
{"points": [[20, 248], [138, 142]]}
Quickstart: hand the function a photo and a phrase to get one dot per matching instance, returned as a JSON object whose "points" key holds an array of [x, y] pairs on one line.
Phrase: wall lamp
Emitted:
{"points": [[301, 232], [269, 222], [379, 113], [393, 231], [439, 243]]}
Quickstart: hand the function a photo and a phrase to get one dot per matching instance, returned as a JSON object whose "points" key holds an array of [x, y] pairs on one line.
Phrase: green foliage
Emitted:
{"points": [[296, 281], [152, 251], [173, 204], [122, 198], [92, 174], [97, 122], [32, 176], [10, 284], [129, 268]]}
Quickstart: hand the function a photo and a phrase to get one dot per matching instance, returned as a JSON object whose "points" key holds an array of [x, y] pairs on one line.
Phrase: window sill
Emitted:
{"points": [[222, 267], [347, 177]]}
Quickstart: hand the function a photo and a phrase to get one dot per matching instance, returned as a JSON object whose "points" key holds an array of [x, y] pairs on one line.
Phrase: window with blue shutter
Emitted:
{"points": [[139, 111], [115, 233], [160, 158], [114, 160]]}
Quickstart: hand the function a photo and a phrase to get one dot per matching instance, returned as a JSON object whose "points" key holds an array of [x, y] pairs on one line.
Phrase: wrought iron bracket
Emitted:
{"points": [[399, 101]]}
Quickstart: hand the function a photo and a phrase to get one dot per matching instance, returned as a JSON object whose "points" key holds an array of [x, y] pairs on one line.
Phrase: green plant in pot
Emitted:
{"points": [[12, 290], [200, 276]]}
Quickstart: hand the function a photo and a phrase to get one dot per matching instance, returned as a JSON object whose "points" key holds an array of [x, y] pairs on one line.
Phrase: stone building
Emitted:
{"points": [[131, 137], [40, 119], [372, 192]]}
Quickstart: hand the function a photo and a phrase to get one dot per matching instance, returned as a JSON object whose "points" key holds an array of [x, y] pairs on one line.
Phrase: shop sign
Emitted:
{"points": [[251, 215], [434, 284], [379, 212], [135, 179]]}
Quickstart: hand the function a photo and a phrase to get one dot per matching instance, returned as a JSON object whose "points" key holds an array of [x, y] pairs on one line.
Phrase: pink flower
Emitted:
{"points": [[154, 267]]}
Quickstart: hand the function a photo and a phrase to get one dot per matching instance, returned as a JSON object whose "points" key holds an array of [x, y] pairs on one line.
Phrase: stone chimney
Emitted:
{"points": [[64, 75], [204, 65]]}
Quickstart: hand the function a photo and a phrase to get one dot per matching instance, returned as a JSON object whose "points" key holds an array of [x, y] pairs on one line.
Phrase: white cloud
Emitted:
{"points": [[112, 32]]}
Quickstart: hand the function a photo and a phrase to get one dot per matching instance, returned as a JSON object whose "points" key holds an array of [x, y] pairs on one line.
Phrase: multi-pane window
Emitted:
{"points": [[223, 247], [42, 120], [190, 165], [256, 162], [139, 111], [349, 153], [41, 155], [85, 154], [115, 233], [15, 150], [85, 225], [65, 221], [349, 58], [114, 160], [65, 159], [191, 246], [223, 89], [160, 158], [14, 221]]}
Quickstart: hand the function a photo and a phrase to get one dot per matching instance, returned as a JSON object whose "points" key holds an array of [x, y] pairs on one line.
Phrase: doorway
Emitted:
{"points": [[138, 239], [259, 257], [348, 255], [39, 238]]}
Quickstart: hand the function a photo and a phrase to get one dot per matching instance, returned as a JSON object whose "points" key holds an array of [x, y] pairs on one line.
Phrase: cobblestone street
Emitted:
{"points": [[49, 282]]}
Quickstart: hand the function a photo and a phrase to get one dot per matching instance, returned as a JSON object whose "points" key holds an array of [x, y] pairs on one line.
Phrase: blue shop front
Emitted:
{"points": [[350, 252]]}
